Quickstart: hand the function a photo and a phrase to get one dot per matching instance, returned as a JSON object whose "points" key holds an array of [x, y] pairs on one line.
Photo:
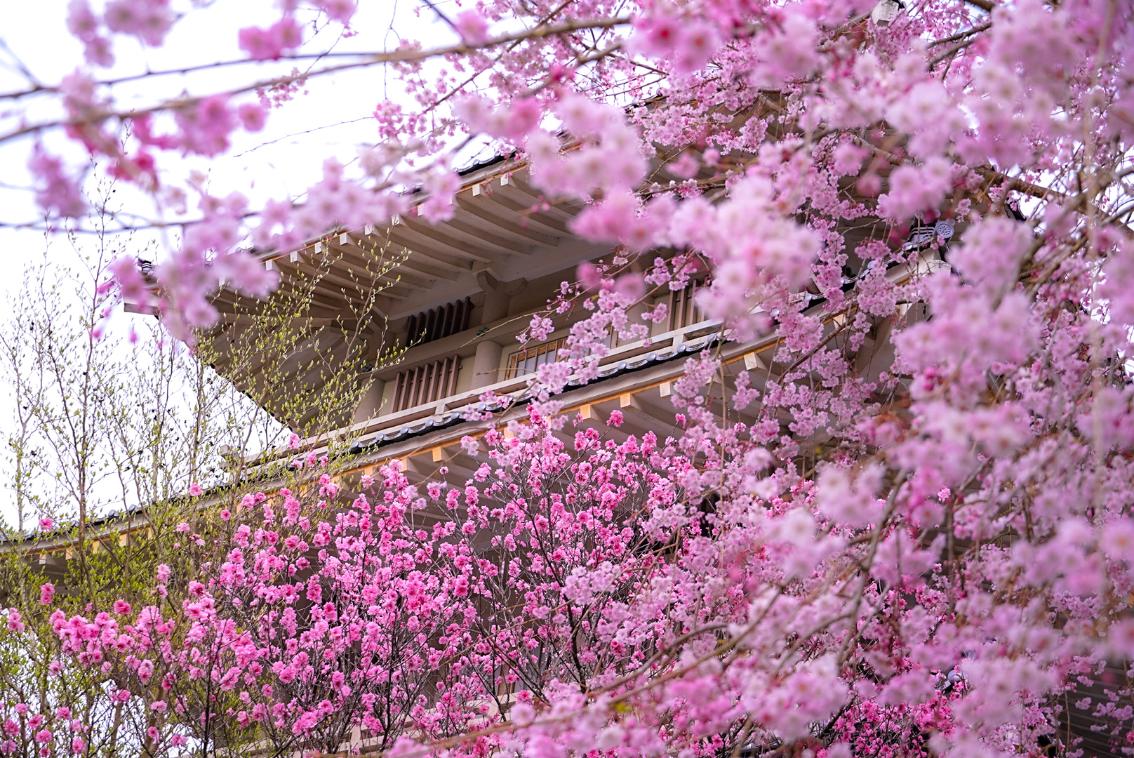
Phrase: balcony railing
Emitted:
{"points": [[683, 308], [657, 347], [528, 359], [382, 427], [426, 383]]}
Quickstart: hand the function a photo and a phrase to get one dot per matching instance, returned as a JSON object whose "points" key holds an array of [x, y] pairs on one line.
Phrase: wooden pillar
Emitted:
{"points": [[497, 295], [370, 405], [486, 364], [495, 306], [497, 300], [634, 316]]}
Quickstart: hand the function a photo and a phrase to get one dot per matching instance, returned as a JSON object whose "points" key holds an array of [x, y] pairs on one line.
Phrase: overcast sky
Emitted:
{"points": [[332, 118], [284, 158]]}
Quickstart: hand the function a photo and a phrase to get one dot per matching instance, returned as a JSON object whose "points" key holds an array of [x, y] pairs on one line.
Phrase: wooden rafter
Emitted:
{"points": [[413, 262], [482, 208], [433, 236]]}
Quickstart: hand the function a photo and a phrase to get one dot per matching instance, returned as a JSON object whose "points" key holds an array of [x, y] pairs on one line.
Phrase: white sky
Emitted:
{"points": [[35, 32], [330, 119]]}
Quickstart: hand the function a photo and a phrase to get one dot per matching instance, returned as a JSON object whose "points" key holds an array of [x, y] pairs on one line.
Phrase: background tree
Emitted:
{"points": [[116, 422]]}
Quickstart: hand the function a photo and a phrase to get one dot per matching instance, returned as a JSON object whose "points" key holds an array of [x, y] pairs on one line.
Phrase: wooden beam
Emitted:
{"points": [[316, 299], [483, 210], [645, 419], [308, 349], [410, 261], [500, 244], [322, 353], [431, 260], [529, 215], [563, 209], [251, 320], [365, 263], [428, 236], [370, 271], [364, 280], [415, 241]]}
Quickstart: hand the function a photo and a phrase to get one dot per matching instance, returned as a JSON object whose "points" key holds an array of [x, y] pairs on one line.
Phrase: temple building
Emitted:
{"points": [[452, 297], [392, 343]]}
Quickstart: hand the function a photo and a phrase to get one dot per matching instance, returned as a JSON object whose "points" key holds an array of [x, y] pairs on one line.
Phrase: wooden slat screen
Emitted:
{"points": [[427, 383], [530, 358], [438, 322], [683, 309]]}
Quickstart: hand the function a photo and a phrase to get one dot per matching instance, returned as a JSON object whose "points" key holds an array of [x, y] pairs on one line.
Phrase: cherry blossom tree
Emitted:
{"points": [[927, 552]]}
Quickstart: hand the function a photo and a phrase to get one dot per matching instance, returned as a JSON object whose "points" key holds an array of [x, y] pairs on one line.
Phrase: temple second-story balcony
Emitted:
{"points": [[446, 390], [380, 335]]}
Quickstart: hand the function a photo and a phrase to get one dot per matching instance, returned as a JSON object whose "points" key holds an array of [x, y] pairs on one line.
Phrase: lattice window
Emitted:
{"points": [[426, 383], [683, 309], [438, 322], [530, 358]]}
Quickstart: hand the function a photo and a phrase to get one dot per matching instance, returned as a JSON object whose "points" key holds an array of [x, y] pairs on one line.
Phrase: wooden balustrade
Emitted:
{"points": [[426, 383], [528, 359], [683, 308]]}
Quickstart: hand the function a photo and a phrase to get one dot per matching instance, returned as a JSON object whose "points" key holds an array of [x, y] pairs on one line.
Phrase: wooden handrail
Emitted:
{"points": [[513, 387]]}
